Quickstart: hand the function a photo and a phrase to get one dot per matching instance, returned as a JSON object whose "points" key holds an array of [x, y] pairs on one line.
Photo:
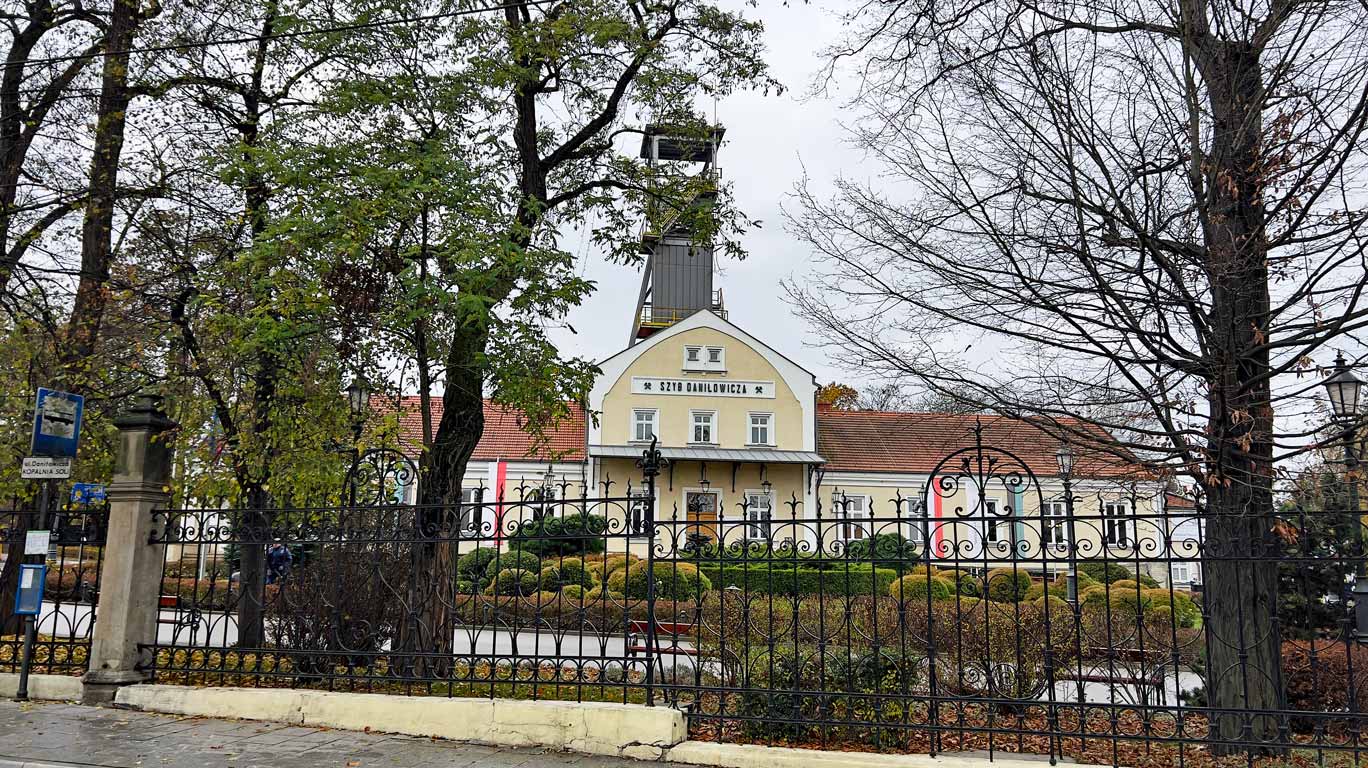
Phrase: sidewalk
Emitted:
{"points": [[47, 735]]}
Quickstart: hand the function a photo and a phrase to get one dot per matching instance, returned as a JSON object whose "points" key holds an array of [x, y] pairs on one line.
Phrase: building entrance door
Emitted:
{"points": [[701, 510]]}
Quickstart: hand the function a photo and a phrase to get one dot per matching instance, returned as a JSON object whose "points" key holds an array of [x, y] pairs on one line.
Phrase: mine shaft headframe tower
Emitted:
{"points": [[677, 279]]}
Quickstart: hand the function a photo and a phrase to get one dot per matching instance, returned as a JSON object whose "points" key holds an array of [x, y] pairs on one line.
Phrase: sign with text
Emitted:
{"points": [[87, 493], [652, 385], [44, 468], [56, 423], [28, 599], [36, 542]]}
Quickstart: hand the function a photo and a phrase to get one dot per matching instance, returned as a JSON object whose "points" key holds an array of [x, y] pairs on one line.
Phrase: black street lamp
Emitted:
{"points": [[358, 400], [1344, 390], [1065, 459]]}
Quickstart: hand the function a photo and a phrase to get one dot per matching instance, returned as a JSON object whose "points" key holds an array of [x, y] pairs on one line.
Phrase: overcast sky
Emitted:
{"points": [[771, 141]]}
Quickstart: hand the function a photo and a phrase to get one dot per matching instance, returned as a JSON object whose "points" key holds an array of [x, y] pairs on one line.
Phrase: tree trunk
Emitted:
{"points": [[92, 294], [11, 624], [430, 628], [1241, 561]]}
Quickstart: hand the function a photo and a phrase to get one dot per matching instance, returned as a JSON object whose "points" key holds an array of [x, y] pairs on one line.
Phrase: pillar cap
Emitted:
{"points": [[146, 413]]}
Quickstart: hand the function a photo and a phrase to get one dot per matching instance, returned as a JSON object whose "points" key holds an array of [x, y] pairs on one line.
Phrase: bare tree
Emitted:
{"points": [[1142, 214]]}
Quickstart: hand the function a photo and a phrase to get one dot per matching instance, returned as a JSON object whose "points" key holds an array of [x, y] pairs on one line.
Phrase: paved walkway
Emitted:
{"points": [[44, 735]]}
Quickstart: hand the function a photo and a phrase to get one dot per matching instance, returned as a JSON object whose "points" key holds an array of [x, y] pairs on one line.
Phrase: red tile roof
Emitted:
{"points": [[853, 441], [503, 436], [877, 441]]}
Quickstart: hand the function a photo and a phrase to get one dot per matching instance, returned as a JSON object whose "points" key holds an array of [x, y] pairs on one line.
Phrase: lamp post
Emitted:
{"points": [[1065, 459], [1344, 389], [358, 401]]}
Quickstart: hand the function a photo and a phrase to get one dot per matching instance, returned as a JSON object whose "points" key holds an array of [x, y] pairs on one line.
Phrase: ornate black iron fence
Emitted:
{"points": [[71, 593], [986, 610]]}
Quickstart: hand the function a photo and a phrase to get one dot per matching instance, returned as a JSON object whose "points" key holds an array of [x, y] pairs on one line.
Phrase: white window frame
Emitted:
{"points": [[720, 364], [914, 524], [758, 520], [769, 428], [1054, 528], [637, 504], [994, 525], [1183, 576], [693, 357], [712, 427], [1114, 523], [851, 517], [469, 496], [655, 425]]}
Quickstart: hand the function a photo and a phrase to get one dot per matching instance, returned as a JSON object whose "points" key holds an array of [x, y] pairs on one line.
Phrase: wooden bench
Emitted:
{"points": [[638, 633]]}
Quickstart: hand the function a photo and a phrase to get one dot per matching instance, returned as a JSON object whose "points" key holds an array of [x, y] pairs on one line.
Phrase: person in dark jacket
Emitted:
{"points": [[278, 562]]}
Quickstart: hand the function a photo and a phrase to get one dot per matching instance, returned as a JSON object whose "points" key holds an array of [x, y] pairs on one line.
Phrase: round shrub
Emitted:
{"points": [[1008, 586], [1105, 573], [569, 571], [1125, 585], [599, 593], [513, 581], [616, 581], [1059, 607], [1094, 597], [1130, 603], [674, 581], [466, 587], [918, 587], [926, 570], [1147, 581], [572, 592], [474, 565], [968, 584], [1036, 592], [1184, 609], [514, 560]]}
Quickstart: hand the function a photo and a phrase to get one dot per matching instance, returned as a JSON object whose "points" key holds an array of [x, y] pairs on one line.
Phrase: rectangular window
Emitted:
{"points": [[1117, 523], [1054, 530], [761, 433], [916, 519], [996, 526], [704, 427], [853, 514], [470, 517], [759, 508], [693, 354], [714, 356], [1182, 573], [643, 425], [638, 508]]}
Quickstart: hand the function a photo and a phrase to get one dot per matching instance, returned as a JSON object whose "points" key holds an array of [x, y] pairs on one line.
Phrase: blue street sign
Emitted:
{"points": [[28, 600], [56, 423], [87, 493]]}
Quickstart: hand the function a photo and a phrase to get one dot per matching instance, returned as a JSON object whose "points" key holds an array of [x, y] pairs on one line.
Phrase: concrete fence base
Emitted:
{"points": [[591, 727], [42, 687]]}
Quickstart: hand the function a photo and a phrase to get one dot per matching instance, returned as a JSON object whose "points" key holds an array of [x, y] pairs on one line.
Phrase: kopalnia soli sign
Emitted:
{"points": [[652, 385]]}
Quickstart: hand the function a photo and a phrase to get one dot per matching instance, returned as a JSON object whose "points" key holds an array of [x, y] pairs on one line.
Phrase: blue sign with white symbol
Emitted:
{"points": [[87, 493], [56, 423], [28, 600]]}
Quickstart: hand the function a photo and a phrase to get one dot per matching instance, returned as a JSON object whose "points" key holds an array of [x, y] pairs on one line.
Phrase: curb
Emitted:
{"points": [[6, 762]]}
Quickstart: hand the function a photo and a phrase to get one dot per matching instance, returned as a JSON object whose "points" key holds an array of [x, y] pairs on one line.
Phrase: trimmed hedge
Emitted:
{"points": [[674, 581], [853, 580], [571, 570], [918, 586], [1008, 586], [513, 581], [516, 559], [473, 565]]}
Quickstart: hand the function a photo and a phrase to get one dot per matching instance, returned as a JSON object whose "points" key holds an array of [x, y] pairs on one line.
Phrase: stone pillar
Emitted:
{"points": [[130, 581]]}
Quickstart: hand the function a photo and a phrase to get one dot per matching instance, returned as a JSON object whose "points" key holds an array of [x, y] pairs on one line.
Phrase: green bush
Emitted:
{"points": [[1006, 585], [917, 588], [598, 593], [572, 592], [617, 580], [474, 565], [968, 584], [782, 579], [513, 581], [516, 559], [568, 571], [1059, 607], [574, 534], [674, 581], [1104, 573], [466, 587], [890, 550]]}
